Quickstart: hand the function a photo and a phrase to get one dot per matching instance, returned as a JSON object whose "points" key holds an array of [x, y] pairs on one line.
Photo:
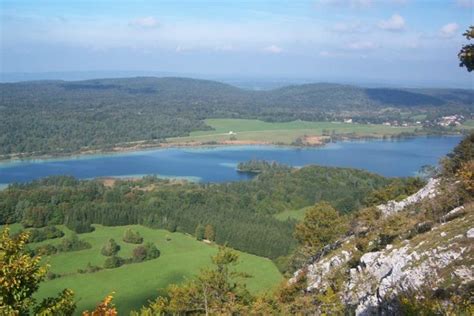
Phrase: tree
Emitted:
{"points": [[113, 262], [209, 233], [20, 276], [321, 225], [151, 251], [139, 254], [132, 237], [104, 308], [111, 248], [199, 232], [466, 55], [216, 291], [146, 252]]}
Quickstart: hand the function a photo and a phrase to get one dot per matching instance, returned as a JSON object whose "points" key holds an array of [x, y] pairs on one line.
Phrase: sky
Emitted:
{"points": [[397, 41]]}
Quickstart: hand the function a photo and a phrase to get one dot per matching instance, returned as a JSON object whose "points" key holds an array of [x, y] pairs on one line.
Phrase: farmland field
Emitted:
{"points": [[182, 256], [284, 132]]}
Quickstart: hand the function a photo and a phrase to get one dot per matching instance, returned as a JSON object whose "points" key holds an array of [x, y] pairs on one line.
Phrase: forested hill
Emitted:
{"points": [[242, 213], [60, 117]]}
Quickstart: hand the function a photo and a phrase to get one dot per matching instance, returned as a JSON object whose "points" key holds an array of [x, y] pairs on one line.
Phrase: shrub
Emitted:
{"points": [[45, 250], [110, 248], [113, 262], [132, 237], [151, 251], [139, 254], [73, 243], [50, 232], [146, 252]]}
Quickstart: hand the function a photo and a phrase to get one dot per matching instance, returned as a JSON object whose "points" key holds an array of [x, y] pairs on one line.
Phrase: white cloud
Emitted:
{"points": [[449, 30], [145, 22], [273, 49], [395, 23], [362, 45]]}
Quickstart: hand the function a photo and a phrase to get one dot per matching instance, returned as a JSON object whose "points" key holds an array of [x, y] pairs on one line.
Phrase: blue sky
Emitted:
{"points": [[325, 40]]}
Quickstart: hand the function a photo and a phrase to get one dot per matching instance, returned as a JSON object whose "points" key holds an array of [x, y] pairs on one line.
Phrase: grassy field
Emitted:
{"points": [[292, 214], [181, 257], [286, 132], [468, 124]]}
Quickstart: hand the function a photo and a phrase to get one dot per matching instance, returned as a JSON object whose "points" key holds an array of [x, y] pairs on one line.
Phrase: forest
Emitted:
{"points": [[240, 213], [58, 117]]}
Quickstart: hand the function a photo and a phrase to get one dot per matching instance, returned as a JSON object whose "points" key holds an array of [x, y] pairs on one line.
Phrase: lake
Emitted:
{"points": [[390, 158]]}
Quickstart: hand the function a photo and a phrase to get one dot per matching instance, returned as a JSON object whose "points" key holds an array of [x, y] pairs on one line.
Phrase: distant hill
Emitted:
{"points": [[59, 116]]}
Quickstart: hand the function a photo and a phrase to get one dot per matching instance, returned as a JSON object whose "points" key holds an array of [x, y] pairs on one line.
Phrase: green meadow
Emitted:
{"points": [[284, 132], [182, 256]]}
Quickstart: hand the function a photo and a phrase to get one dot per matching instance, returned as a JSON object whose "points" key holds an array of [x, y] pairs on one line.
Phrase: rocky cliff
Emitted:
{"points": [[369, 269]]}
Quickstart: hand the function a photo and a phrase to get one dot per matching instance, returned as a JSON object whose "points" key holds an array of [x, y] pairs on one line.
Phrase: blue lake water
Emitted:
{"points": [[389, 158]]}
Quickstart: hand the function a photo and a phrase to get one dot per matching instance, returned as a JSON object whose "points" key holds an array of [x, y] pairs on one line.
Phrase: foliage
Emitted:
{"points": [[396, 190], [113, 262], [466, 175], [104, 308], [258, 166], [209, 233], [241, 213], [466, 55], [199, 232], [321, 225], [462, 153], [215, 291], [111, 248], [72, 243], [20, 275], [49, 232], [61, 305], [132, 237], [146, 252], [427, 302]]}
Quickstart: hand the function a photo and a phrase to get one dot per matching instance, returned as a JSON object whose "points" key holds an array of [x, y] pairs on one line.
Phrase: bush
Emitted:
{"points": [[139, 254], [146, 252], [113, 262], [132, 237], [151, 251], [45, 250], [50, 232], [51, 275], [73, 243], [110, 248]]}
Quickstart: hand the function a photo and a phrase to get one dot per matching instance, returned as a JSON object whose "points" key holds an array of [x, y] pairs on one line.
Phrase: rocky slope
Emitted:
{"points": [[430, 255]]}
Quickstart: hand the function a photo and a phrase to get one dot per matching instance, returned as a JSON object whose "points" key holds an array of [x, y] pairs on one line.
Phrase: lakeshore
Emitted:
{"points": [[403, 157]]}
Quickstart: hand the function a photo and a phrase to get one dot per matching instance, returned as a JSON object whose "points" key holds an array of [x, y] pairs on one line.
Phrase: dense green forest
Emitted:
{"points": [[240, 213], [47, 117]]}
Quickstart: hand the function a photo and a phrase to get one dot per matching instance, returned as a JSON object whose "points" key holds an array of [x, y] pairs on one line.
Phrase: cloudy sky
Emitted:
{"points": [[331, 40]]}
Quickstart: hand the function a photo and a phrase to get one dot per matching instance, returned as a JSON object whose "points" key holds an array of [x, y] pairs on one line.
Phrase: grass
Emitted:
{"points": [[134, 284], [292, 214], [285, 132], [468, 124]]}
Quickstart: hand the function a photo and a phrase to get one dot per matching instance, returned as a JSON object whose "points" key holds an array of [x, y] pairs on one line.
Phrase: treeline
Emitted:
{"points": [[240, 213], [55, 117]]}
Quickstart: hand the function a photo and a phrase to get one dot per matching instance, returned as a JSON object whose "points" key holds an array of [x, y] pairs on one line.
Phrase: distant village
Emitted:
{"points": [[445, 121]]}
